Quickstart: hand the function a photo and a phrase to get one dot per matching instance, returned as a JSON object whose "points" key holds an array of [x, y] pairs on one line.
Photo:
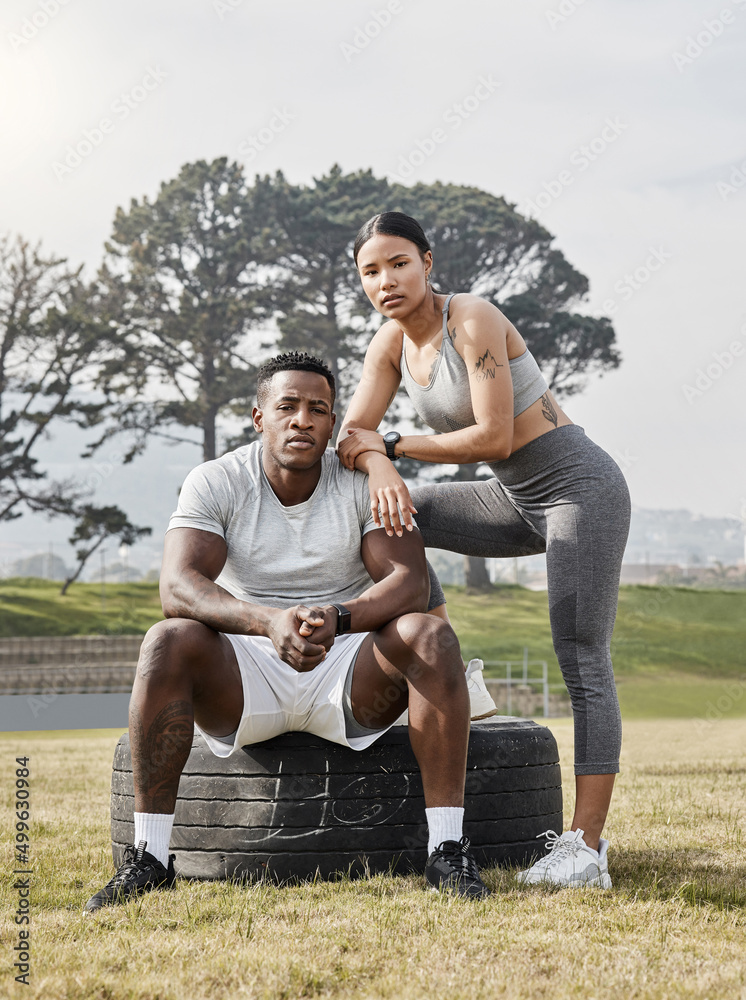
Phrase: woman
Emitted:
{"points": [[471, 378]]}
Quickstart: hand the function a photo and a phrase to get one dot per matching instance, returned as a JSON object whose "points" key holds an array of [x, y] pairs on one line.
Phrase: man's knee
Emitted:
{"points": [[430, 639], [171, 646]]}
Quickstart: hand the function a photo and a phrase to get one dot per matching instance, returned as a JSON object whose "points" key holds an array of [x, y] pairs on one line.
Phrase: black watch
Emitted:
{"points": [[344, 619], [391, 440]]}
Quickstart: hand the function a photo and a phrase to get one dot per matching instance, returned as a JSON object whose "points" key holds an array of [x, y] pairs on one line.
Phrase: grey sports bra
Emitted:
{"points": [[445, 402]]}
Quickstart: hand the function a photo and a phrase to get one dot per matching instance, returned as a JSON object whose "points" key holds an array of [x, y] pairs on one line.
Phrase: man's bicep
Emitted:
{"points": [[193, 549], [384, 555]]}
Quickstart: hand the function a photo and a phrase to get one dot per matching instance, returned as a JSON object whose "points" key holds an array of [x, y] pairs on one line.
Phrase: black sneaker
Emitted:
{"points": [[451, 868], [138, 873]]}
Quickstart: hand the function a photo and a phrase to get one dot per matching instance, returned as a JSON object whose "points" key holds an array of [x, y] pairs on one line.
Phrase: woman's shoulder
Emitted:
{"points": [[464, 305], [476, 318], [387, 343]]}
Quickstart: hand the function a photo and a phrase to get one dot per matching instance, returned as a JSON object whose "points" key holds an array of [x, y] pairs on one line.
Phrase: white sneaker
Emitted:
{"points": [[570, 862], [480, 700]]}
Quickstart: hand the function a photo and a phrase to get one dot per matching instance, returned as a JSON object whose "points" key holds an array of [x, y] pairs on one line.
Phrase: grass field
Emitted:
{"points": [[678, 653], [30, 606], [673, 925]]}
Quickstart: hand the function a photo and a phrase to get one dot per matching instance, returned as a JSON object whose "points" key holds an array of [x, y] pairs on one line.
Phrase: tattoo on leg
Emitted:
{"points": [[486, 367], [548, 410], [160, 752]]}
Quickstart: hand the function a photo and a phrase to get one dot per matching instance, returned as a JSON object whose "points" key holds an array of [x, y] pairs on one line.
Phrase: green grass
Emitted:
{"points": [[672, 926], [681, 696], [30, 606], [677, 652], [658, 629]]}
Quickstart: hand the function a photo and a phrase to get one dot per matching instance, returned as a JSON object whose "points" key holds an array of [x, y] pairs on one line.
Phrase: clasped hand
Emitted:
{"points": [[291, 631]]}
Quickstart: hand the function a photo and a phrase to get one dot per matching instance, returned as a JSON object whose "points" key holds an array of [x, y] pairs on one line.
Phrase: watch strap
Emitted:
{"points": [[344, 619]]}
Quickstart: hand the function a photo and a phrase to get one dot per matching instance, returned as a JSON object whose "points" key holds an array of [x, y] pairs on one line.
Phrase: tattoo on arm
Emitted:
{"points": [[453, 334], [486, 367], [548, 410]]}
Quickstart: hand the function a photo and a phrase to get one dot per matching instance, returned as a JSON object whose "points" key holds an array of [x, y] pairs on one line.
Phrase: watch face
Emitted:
{"points": [[390, 440]]}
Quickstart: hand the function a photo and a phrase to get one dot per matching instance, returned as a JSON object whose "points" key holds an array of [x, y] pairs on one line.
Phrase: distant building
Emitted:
{"points": [[673, 575]]}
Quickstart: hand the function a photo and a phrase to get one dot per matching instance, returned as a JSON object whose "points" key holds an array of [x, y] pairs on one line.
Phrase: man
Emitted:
{"points": [[287, 609]]}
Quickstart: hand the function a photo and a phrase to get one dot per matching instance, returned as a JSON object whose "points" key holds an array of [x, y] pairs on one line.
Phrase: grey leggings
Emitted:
{"points": [[563, 495]]}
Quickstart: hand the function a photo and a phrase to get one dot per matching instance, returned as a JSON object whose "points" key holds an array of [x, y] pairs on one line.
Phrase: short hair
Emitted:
{"points": [[393, 224], [293, 361]]}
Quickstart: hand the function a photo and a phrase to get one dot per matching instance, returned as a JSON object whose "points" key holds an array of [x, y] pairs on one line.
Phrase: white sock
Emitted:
{"points": [[443, 823], [155, 828]]}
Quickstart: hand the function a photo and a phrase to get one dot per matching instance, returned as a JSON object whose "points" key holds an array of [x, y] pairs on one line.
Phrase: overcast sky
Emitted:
{"points": [[618, 123]]}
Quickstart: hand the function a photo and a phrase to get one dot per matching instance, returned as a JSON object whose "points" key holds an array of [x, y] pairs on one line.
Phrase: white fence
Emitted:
{"points": [[521, 677]]}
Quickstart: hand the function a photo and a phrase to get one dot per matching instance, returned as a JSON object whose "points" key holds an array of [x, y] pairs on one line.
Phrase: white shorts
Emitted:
{"points": [[278, 699]]}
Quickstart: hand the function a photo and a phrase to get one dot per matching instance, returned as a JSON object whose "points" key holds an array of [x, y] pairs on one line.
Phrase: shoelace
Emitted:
{"points": [[558, 848], [131, 865], [458, 857]]}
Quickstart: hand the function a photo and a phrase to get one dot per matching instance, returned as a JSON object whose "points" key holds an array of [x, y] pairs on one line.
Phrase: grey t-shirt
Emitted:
{"points": [[281, 556]]}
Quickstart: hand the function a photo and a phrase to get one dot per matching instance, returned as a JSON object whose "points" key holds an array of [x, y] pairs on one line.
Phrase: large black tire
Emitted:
{"points": [[297, 805]]}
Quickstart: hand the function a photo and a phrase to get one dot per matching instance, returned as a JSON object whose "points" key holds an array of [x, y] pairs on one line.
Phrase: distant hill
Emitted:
{"points": [[42, 564], [657, 537], [678, 536]]}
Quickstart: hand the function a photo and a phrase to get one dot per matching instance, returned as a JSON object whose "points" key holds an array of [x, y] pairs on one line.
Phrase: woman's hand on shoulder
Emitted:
{"points": [[390, 502], [354, 441]]}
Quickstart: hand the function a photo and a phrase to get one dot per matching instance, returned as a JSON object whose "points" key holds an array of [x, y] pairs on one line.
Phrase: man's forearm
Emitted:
{"points": [[195, 596], [401, 593]]}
